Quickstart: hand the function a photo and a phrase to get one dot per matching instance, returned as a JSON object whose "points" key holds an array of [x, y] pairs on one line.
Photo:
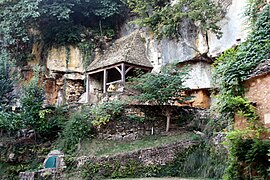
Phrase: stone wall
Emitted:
{"points": [[259, 94], [159, 155], [134, 129], [130, 130], [59, 89]]}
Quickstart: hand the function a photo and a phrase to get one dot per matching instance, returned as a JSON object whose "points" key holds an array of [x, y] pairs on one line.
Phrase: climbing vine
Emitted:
{"points": [[236, 64], [248, 153]]}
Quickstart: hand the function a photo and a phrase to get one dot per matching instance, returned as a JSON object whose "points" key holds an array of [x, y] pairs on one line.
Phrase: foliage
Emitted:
{"points": [[27, 157], [10, 122], [60, 33], [55, 121], [234, 66], [32, 101], [23, 22], [16, 18], [201, 161], [252, 9], [77, 128], [163, 88], [7, 79], [248, 157], [165, 19], [106, 111], [248, 154]]}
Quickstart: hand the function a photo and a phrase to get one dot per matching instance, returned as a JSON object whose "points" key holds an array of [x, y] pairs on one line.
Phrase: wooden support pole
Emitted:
{"points": [[87, 88], [123, 73], [104, 80]]}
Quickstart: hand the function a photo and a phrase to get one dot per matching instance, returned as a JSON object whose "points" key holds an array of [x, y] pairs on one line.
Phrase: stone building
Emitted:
{"points": [[258, 92]]}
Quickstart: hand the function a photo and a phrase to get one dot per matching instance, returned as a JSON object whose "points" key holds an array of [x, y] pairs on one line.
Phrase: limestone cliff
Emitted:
{"points": [[65, 67]]}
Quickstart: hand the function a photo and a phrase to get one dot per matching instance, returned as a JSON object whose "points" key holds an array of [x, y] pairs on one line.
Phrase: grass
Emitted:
{"points": [[164, 178], [98, 147]]}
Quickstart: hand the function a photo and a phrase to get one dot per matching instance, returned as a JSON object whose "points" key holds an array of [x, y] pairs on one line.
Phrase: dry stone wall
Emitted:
{"points": [[130, 129], [158, 155]]}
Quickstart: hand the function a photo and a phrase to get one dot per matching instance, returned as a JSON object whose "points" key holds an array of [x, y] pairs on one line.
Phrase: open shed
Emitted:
{"points": [[109, 71]]}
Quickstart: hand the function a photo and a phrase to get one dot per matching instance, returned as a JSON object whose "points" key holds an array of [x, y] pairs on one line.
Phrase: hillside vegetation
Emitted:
{"points": [[207, 144]]}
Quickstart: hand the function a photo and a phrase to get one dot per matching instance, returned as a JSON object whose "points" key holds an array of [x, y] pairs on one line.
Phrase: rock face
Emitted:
{"points": [[194, 43], [64, 74], [66, 71], [65, 65], [199, 75], [233, 27], [65, 59]]}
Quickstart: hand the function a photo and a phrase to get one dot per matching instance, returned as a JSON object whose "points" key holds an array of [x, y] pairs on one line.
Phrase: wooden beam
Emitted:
{"points": [[116, 65], [104, 80], [117, 68], [114, 82], [123, 73], [128, 69], [96, 71], [140, 67], [87, 88]]}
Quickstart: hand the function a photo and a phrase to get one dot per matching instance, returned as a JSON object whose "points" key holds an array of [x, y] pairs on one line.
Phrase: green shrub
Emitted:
{"points": [[248, 158], [32, 101], [77, 128], [10, 122], [106, 111]]}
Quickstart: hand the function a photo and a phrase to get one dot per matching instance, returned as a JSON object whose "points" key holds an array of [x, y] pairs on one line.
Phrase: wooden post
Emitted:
{"points": [[87, 88], [104, 80], [123, 73]]}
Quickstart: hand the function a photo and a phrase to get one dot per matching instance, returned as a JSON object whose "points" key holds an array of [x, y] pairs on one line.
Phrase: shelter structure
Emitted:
{"points": [[109, 71]]}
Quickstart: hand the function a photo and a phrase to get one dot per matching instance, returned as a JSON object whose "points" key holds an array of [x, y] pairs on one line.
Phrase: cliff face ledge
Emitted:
{"points": [[66, 63], [193, 42], [65, 59]]}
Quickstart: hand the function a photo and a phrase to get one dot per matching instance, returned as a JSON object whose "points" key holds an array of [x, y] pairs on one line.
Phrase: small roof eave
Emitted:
{"points": [[129, 49], [261, 70], [93, 71]]}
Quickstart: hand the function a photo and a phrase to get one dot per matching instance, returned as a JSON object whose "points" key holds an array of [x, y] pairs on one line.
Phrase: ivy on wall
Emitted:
{"points": [[236, 64], [247, 152]]}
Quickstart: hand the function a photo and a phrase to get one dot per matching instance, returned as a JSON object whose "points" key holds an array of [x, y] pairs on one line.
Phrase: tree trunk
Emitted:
{"points": [[168, 115], [167, 111], [168, 122]]}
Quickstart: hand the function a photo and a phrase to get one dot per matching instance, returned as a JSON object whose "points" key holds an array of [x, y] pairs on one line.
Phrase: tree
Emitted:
{"points": [[32, 102], [165, 19], [163, 88], [7, 79], [23, 22]]}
